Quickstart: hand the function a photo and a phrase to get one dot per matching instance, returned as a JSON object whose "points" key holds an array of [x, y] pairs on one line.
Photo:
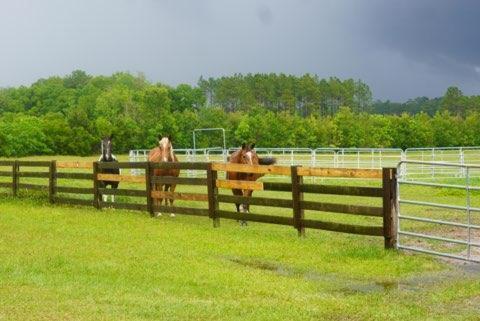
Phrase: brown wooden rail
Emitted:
{"points": [[148, 195]]}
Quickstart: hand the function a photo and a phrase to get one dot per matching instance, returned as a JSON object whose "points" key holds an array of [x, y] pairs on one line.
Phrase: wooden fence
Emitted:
{"points": [[54, 171]]}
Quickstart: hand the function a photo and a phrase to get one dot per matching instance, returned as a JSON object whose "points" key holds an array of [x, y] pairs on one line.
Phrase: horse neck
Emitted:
{"points": [[173, 156], [157, 156], [235, 157], [104, 158]]}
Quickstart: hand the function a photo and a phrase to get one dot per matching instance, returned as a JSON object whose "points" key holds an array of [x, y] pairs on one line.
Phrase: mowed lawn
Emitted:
{"points": [[67, 263]]}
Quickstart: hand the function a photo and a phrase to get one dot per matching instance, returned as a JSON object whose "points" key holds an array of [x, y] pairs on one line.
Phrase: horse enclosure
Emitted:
{"points": [[59, 179], [367, 158]]}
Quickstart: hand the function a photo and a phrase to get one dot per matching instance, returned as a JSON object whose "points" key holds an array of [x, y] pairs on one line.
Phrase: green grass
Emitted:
{"points": [[72, 263], [64, 263]]}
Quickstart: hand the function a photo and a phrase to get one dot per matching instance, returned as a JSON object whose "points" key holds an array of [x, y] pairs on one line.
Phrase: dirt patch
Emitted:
{"points": [[448, 247]]}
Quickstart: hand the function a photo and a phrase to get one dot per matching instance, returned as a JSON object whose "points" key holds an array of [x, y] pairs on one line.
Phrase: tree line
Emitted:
{"points": [[68, 115]]}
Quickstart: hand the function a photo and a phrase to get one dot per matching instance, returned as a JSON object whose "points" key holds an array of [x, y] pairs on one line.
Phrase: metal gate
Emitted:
{"points": [[442, 216]]}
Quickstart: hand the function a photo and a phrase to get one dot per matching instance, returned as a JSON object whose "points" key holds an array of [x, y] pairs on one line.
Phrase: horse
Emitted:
{"points": [[164, 153], [246, 155], [108, 157]]}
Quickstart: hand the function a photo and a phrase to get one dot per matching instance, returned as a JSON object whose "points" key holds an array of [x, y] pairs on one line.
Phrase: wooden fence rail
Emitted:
{"points": [[53, 172]]}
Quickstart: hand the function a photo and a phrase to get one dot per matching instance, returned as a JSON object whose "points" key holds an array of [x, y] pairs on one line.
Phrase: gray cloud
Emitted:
{"points": [[265, 14], [401, 49], [440, 33]]}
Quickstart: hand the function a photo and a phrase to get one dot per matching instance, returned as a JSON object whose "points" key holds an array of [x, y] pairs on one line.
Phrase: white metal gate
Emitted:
{"points": [[442, 216]]}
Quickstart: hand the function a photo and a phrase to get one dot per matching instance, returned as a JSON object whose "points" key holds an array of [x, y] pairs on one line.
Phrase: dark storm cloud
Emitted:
{"points": [[402, 49], [443, 34], [265, 14]]}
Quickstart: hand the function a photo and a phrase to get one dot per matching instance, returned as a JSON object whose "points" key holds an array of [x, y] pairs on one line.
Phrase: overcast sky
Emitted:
{"points": [[401, 49]]}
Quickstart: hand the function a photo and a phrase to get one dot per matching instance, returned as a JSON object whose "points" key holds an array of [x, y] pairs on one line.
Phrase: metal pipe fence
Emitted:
{"points": [[368, 158], [422, 217]]}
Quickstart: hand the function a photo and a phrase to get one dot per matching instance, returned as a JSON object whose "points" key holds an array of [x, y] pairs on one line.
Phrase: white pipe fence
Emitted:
{"points": [[372, 158], [421, 218]]}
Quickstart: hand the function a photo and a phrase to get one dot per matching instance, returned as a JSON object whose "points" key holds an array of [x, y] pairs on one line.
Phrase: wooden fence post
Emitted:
{"points": [[52, 181], [15, 177], [212, 189], [297, 197], [96, 194], [389, 184], [148, 188]]}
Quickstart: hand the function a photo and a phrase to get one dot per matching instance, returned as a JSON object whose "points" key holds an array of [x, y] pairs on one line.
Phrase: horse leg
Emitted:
{"points": [[247, 193], [114, 187], [167, 186], [104, 196], [240, 207], [237, 192], [172, 189], [157, 201], [246, 207]]}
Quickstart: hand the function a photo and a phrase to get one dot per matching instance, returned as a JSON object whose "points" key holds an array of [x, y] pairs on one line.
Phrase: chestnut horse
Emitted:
{"points": [[163, 153], [246, 155]]}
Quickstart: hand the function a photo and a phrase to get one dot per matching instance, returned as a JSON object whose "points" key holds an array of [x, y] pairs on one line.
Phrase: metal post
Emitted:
{"points": [[194, 142], [373, 159], [432, 168], [469, 215], [208, 129]]}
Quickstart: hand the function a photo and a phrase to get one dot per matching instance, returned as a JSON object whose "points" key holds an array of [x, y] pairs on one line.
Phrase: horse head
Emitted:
{"points": [[248, 155], [166, 148], [106, 146]]}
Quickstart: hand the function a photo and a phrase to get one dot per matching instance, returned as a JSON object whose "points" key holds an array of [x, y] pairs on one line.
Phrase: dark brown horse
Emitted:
{"points": [[108, 157], [246, 155], [163, 153]]}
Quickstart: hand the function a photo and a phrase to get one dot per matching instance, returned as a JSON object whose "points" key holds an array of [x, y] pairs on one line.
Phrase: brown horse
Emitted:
{"points": [[246, 155], [163, 153]]}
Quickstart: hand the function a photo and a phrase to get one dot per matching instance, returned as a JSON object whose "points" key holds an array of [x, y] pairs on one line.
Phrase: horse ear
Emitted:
{"points": [[159, 137], [111, 137], [244, 146], [252, 146], [170, 138]]}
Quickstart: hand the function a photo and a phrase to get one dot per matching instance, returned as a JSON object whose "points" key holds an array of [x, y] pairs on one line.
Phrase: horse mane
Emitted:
{"points": [[233, 157], [155, 154], [267, 160]]}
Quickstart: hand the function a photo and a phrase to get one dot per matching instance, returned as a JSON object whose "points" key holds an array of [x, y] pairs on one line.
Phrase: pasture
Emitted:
{"points": [[79, 263]]}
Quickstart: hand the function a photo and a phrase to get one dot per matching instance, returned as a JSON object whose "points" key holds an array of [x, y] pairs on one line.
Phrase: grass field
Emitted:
{"points": [[67, 263]]}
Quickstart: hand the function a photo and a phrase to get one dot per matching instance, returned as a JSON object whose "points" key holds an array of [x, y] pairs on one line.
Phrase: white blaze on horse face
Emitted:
{"points": [[109, 147], [164, 144], [249, 156]]}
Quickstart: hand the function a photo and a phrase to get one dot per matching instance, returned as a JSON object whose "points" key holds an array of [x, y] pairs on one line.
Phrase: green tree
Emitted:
{"points": [[454, 101], [22, 135]]}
